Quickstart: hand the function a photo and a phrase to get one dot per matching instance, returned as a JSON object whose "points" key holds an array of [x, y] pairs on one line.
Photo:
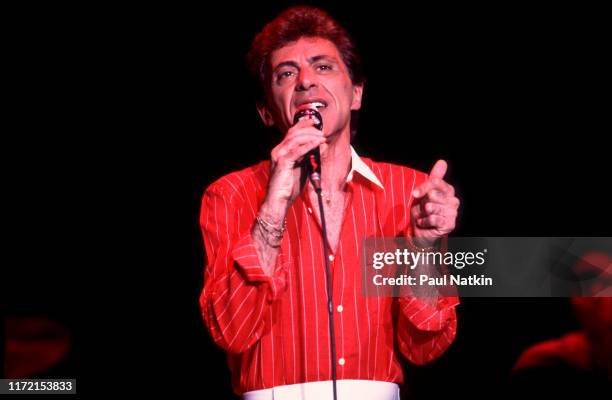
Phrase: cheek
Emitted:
{"points": [[348, 90], [279, 99]]}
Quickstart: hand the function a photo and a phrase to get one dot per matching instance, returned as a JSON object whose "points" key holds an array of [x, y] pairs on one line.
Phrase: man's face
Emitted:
{"points": [[310, 73]]}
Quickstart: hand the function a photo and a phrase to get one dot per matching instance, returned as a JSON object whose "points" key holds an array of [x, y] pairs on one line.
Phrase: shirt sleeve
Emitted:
{"points": [[424, 332], [237, 294]]}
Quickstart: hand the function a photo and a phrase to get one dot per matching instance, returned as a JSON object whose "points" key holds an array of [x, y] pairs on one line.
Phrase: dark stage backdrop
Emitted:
{"points": [[138, 110]]}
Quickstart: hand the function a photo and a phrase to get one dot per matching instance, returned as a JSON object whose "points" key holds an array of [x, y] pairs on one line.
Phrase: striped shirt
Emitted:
{"points": [[275, 328]]}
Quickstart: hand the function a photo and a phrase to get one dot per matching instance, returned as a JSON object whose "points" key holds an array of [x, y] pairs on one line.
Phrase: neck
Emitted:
{"points": [[335, 162]]}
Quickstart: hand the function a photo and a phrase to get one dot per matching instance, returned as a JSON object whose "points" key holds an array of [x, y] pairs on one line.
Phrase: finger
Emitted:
{"points": [[416, 211], [436, 185], [290, 142], [443, 186], [300, 139], [295, 139], [439, 169], [434, 209], [454, 203], [446, 210], [436, 196], [431, 221], [421, 190], [299, 151], [287, 150]]}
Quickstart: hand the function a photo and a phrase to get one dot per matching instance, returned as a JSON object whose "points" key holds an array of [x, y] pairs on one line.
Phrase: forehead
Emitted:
{"points": [[304, 49]]}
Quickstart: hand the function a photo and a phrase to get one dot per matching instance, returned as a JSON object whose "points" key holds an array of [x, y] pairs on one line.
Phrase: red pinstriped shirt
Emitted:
{"points": [[275, 329]]}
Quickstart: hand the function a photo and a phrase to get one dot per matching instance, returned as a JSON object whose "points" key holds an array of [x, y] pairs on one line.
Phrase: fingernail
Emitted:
{"points": [[415, 192]]}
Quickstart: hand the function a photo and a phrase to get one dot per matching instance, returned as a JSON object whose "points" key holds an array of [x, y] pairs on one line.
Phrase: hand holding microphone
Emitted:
{"points": [[289, 156], [284, 185]]}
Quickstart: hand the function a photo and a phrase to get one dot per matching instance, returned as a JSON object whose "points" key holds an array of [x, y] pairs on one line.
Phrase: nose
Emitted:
{"points": [[306, 80]]}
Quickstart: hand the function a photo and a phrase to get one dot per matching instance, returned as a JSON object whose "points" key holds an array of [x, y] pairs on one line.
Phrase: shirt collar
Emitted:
{"points": [[357, 165]]}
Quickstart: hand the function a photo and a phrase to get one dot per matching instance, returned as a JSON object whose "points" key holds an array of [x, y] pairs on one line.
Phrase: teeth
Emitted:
{"points": [[317, 104]]}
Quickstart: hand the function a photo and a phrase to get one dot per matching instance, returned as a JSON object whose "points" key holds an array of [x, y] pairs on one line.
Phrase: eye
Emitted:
{"points": [[324, 67], [284, 75]]}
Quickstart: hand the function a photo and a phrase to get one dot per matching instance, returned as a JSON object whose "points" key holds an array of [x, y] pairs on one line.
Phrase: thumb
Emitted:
{"points": [[438, 170]]}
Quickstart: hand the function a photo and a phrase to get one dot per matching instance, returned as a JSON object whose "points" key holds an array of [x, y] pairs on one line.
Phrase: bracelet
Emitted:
{"points": [[267, 229], [266, 236], [270, 228], [416, 249]]}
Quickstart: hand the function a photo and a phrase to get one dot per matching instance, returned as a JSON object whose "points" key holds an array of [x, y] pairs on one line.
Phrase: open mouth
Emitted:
{"points": [[313, 105]]}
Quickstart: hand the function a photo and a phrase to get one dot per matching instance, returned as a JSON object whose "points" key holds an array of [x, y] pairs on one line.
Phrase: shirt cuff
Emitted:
{"points": [[245, 255], [426, 317]]}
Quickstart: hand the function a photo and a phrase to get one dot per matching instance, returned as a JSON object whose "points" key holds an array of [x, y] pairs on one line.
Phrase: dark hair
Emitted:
{"points": [[291, 25]]}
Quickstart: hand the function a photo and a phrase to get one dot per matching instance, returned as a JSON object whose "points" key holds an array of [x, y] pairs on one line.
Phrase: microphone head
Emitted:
{"points": [[312, 159], [306, 112]]}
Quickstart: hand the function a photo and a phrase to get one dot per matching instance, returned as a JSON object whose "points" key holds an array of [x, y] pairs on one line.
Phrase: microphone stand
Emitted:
{"points": [[313, 166], [315, 178]]}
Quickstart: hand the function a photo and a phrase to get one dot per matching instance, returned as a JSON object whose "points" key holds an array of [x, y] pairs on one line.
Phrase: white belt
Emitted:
{"points": [[347, 389]]}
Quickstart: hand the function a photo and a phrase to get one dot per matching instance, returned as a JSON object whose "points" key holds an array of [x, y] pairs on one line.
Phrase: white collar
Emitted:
{"points": [[357, 165]]}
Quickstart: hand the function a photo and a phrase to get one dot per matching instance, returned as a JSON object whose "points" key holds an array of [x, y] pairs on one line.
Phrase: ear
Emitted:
{"points": [[265, 114], [357, 95]]}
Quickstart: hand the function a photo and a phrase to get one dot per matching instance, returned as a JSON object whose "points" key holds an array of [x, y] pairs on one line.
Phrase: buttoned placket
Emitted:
{"points": [[333, 257]]}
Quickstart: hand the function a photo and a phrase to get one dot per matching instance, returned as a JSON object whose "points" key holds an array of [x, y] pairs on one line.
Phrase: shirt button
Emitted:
{"points": [[340, 308], [341, 361], [331, 257], [309, 210]]}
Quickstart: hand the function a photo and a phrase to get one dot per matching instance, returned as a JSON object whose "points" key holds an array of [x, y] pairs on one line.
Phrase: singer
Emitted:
{"points": [[265, 298]]}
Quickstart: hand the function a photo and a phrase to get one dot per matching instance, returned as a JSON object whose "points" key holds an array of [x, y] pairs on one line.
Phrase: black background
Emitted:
{"points": [[123, 116]]}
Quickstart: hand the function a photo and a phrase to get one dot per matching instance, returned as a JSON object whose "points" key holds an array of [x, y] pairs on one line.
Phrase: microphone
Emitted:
{"points": [[312, 159]]}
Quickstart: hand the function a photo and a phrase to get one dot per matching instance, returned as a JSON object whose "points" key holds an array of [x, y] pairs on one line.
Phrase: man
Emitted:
{"points": [[265, 297]]}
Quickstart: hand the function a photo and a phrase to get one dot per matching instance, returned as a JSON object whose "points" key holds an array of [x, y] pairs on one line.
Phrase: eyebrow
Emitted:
{"points": [[311, 60]]}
